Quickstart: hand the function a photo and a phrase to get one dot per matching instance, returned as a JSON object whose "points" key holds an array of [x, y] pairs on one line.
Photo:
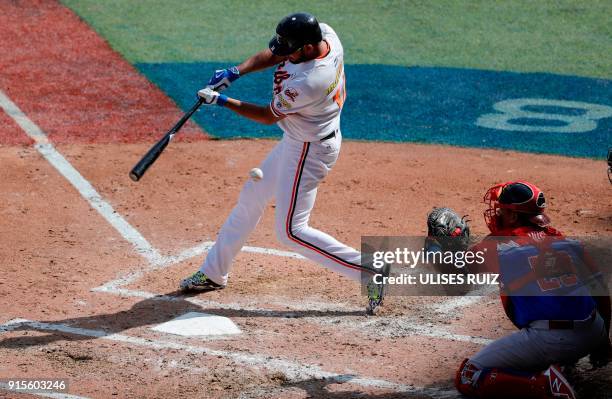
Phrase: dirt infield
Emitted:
{"points": [[287, 308], [91, 260]]}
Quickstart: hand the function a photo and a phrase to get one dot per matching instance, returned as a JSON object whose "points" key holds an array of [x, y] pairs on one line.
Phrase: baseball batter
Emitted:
{"points": [[307, 99], [544, 292]]}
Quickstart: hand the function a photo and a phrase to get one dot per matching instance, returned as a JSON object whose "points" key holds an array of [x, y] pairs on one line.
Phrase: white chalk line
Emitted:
{"points": [[127, 231], [381, 325], [284, 306], [449, 306], [55, 395], [115, 286], [294, 371], [87, 191], [168, 261]]}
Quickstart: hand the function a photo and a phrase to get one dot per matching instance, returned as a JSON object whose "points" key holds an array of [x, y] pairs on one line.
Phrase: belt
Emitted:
{"points": [[563, 324], [330, 136]]}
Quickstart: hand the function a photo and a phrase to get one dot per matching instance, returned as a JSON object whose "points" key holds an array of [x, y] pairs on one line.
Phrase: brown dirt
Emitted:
{"points": [[56, 248], [66, 249]]}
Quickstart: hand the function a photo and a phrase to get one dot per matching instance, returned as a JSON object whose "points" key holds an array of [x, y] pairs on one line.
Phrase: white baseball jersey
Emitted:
{"points": [[311, 93]]}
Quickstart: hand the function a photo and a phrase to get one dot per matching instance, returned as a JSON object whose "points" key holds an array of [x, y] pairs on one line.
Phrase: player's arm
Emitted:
{"points": [[262, 60], [223, 78], [257, 113], [254, 112]]}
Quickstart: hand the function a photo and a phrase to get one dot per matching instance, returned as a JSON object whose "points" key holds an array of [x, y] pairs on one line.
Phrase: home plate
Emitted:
{"points": [[199, 324]]}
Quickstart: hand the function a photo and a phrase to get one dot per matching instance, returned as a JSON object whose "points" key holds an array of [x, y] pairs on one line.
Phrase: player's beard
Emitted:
{"points": [[301, 57]]}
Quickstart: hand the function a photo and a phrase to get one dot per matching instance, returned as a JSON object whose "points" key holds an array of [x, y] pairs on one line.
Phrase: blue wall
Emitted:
{"points": [[418, 104]]}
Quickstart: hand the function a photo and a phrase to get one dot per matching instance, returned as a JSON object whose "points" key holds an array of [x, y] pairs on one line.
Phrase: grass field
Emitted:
{"points": [[416, 71], [565, 37]]}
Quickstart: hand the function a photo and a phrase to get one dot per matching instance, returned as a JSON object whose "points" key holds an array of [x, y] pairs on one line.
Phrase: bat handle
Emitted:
{"points": [[151, 156], [187, 115]]}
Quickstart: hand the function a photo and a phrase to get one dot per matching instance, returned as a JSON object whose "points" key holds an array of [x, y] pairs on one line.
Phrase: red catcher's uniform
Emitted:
{"points": [[557, 318]]}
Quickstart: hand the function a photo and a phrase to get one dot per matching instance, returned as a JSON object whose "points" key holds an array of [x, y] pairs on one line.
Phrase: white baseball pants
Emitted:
{"points": [[292, 172]]}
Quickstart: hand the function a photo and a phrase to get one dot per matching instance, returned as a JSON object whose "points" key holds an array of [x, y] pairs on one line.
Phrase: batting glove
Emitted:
{"points": [[212, 97], [223, 78]]}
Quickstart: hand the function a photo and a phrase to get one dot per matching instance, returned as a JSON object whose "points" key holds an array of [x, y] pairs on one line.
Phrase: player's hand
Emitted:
{"points": [[602, 355], [223, 78], [211, 97]]}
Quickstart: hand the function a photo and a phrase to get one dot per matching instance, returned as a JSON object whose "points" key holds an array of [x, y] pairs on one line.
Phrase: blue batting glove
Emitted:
{"points": [[223, 78]]}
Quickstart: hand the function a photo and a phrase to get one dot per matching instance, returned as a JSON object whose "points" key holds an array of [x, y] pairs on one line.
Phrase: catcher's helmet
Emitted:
{"points": [[293, 32], [518, 196]]}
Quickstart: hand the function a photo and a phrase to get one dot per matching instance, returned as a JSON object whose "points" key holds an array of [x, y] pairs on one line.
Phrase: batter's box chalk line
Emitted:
{"points": [[155, 260], [293, 371]]}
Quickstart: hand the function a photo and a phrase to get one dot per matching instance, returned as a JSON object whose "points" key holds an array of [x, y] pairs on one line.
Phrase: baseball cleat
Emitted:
{"points": [[376, 292], [199, 281]]}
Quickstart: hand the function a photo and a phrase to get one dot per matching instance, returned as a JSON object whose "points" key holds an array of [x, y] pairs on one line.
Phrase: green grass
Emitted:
{"points": [[567, 37]]}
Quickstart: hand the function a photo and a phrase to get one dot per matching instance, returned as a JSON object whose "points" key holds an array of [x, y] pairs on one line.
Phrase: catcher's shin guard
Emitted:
{"points": [[493, 383]]}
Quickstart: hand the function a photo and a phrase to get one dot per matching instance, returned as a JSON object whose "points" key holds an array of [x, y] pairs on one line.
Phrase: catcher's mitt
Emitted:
{"points": [[450, 230]]}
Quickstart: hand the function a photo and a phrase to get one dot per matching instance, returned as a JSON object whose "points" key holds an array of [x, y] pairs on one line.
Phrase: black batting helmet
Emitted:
{"points": [[293, 32]]}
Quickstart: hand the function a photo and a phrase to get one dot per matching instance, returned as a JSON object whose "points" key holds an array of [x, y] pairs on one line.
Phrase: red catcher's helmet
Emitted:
{"points": [[518, 196]]}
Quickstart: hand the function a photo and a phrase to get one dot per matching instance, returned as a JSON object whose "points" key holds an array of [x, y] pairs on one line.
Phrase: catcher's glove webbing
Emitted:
{"points": [[450, 230]]}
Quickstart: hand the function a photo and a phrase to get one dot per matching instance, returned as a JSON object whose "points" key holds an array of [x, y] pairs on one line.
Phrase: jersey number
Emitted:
{"points": [[555, 270]]}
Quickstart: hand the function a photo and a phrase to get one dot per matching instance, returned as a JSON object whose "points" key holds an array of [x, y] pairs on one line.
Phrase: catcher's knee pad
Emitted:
{"points": [[475, 381]]}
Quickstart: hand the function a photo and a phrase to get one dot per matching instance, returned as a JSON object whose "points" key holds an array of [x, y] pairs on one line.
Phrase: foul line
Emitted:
{"points": [[105, 209], [294, 371], [138, 241], [48, 151], [87, 191]]}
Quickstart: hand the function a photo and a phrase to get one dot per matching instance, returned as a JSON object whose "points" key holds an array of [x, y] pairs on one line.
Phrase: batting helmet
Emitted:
{"points": [[518, 196], [293, 32]]}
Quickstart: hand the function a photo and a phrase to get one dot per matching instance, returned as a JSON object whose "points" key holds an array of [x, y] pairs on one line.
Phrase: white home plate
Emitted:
{"points": [[198, 324]]}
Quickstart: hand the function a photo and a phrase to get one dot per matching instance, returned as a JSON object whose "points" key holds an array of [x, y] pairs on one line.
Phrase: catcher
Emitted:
{"points": [[557, 326]]}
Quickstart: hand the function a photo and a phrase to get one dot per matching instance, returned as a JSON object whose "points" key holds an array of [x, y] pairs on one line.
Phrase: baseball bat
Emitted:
{"points": [[151, 156]]}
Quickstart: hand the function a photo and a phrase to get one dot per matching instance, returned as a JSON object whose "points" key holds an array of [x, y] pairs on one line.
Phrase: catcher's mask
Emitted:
{"points": [[518, 196]]}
